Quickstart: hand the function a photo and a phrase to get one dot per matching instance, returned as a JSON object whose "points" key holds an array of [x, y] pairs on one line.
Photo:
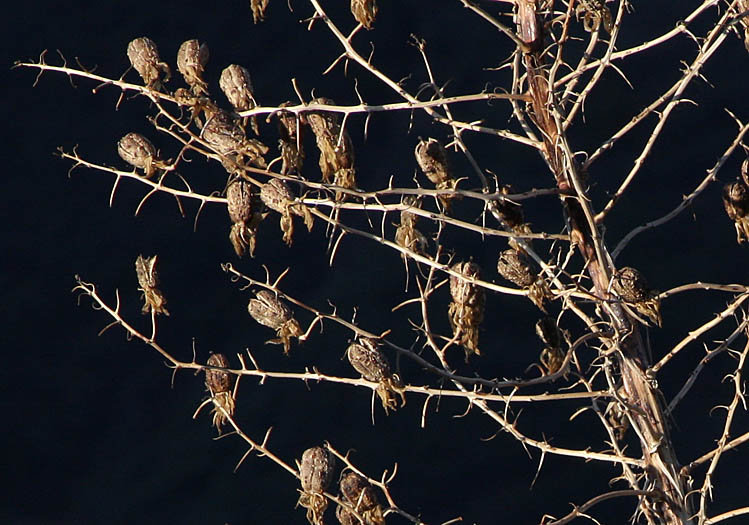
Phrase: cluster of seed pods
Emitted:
{"points": [[515, 266], [268, 310], [632, 287], [466, 311], [316, 472], [368, 359], [220, 385], [432, 159], [148, 280], [736, 202]]}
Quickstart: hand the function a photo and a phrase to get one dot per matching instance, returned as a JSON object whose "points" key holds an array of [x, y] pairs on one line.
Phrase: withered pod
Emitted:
{"points": [[367, 359], [362, 497], [148, 280], [192, 58], [316, 474], [220, 384], [268, 310], [144, 57]]}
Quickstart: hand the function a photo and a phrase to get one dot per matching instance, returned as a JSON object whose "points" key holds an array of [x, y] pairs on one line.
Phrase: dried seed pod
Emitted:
{"points": [[466, 311], [518, 268], [191, 60], [367, 359], [616, 414], [245, 214], [364, 11], [432, 159], [316, 474], [138, 151], [631, 286], [144, 57], [236, 84], [148, 279], [223, 133], [552, 358], [594, 12], [220, 384], [270, 311], [277, 196], [736, 203], [290, 142], [362, 497], [334, 143], [258, 9]]}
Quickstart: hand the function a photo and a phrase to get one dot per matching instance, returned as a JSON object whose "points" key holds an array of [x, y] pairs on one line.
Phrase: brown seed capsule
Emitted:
{"points": [[220, 384], [144, 57], [277, 196], [736, 203], [245, 214], [148, 279], [137, 150], [466, 311], [316, 470], [364, 11], [270, 311], [191, 60], [223, 133], [362, 497], [334, 143], [631, 286], [368, 360], [316, 474], [432, 159], [218, 381], [371, 363], [516, 267], [407, 235], [236, 84]]}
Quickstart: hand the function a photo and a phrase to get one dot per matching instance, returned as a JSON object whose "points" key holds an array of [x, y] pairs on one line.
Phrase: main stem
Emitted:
{"points": [[646, 413]]}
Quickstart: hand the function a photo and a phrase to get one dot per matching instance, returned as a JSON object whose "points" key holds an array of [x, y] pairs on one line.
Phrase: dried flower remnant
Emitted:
{"points": [[616, 414], [236, 84], [290, 141], [432, 159], [552, 356], [518, 268], [191, 60], [736, 203], [361, 495], [277, 196], [144, 57], [631, 286], [364, 11], [345, 516], [258, 9], [148, 280], [407, 235], [466, 311], [270, 311], [594, 12], [139, 152], [367, 359], [220, 384], [223, 133], [316, 474], [244, 212], [334, 143]]}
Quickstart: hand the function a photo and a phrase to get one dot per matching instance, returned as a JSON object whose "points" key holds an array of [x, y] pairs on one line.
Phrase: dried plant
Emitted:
{"points": [[527, 131]]}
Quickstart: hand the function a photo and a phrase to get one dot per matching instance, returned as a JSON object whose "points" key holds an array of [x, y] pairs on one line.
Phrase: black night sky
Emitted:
{"points": [[96, 428]]}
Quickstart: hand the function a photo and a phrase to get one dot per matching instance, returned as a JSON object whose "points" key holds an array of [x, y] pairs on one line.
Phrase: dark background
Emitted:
{"points": [[94, 433]]}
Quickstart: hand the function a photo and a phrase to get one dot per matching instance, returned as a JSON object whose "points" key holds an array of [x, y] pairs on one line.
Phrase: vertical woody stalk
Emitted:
{"points": [[646, 412]]}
